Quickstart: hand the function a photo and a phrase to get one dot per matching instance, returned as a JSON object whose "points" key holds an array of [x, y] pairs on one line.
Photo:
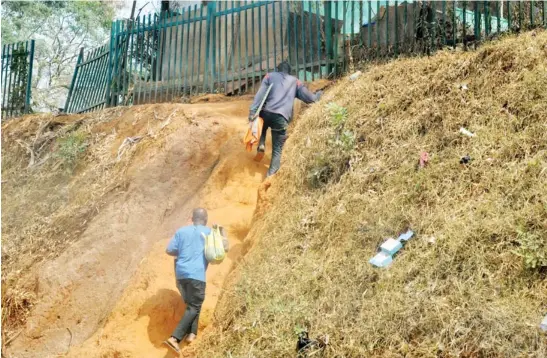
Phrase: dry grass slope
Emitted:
{"points": [[480, 290]]}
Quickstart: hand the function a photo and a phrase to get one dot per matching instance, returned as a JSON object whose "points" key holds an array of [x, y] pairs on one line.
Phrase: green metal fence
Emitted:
{"points": [[227, 47], [16, 76], [89, 82]]}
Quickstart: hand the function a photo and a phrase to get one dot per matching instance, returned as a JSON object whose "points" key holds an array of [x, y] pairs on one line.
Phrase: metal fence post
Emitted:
{"points": [[29, 79], [208, 25], [74, 76]]}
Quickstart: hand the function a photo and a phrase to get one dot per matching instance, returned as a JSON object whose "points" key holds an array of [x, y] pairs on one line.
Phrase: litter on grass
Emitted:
{"points": [[389, 248]]}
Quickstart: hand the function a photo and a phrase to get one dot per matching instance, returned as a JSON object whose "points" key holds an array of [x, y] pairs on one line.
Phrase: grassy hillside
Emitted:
{"points": [[472, 283]]}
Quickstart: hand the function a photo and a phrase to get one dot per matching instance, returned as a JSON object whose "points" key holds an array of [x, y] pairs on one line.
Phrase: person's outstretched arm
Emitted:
{"points": [[259, 96], [304, 94]]}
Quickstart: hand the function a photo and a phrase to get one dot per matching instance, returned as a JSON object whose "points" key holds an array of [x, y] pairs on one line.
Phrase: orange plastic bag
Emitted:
{"points": [[253, 133]]}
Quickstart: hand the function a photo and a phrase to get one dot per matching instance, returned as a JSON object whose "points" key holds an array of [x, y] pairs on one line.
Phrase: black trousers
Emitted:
{"points": [[278, 124], [193, 294]]}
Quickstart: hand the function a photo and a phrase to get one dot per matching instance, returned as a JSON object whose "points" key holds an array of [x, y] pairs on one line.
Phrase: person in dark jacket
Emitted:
{"points": [[278, 108]]}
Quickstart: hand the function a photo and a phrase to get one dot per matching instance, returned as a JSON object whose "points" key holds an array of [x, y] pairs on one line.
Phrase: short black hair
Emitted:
{"points": [[284, 67], [199, 215]]}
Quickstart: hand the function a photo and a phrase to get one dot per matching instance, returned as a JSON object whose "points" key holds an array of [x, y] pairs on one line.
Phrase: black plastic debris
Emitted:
{"points": [[306, 347], [465, 160]]}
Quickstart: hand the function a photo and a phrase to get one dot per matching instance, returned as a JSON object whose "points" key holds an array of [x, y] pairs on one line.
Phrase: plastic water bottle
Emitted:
{"points": [[543, 324], [355, 76]]}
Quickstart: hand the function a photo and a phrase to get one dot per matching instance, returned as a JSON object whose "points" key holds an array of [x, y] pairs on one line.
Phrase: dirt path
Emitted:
{"points": [[151, 306]]}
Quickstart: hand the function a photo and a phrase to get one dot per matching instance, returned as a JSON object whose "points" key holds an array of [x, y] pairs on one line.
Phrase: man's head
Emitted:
{"points": [[199, 216], [284, 67]]}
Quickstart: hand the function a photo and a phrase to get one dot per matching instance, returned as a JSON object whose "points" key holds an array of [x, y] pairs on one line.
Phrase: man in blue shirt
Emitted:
{"points": [[188, 246], [278, 108]]}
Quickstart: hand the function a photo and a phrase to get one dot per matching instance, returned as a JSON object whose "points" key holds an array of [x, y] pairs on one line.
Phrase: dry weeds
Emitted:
{"points": [[473, 290]]}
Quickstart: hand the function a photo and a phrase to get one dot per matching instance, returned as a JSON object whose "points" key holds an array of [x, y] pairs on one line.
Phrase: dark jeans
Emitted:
{"points": [[278, 124], [193, 294]]}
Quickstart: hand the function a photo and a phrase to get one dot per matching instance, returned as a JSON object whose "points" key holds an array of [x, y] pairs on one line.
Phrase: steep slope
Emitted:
{"points": [[100, 190], [472, 283]]}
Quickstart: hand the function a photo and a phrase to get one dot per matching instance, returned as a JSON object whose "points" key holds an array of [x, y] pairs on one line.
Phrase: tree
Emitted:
{"points": [[60, 29]]}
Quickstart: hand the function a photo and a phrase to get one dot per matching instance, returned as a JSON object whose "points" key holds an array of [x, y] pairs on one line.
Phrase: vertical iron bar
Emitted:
{"points": [[369, 25], [532, 4], [361, 32], [110, 64], [213, 47], [433, 26], [388, 49], [13, 88], [233, 48], [498, 22], [175, 24], [343, 34], [318, 32], [247, 50], [93, 66], [225, 49], [443, 27], [194, 29], [275, 37], [217, 44], [131, 55], [295, 27], [281, 31], [186, 71], [405, 26], [208, 28], [509, 21], [377, 29], [545, 14], [336, 29], [9, 66], [182, 81], [253, 42], [289, 58], [140, 53], [167, 51], [158, 50], [199, 50], [310, 32], [454, 25], [396, 28], [486, 19], [79, 86], [29, 81], [521, 16], [164, 48], [304, 55], [5, 70], [464, 28], [267, 39], [239, 68]]}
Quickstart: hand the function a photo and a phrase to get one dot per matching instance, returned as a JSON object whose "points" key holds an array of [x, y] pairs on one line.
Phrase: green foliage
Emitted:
{"points": [[338, 114], [71, 147], [533, 249]]}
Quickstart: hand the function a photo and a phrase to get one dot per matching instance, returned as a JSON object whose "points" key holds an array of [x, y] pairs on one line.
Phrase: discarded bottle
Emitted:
{"points": [[543, 324], [466, 132], [355, 76]]}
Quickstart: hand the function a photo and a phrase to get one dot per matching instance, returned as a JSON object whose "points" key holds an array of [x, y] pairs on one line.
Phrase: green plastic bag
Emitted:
{"points": [[214, 246]]}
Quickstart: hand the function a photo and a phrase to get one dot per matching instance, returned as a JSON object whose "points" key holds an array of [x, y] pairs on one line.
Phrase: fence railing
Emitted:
{"points": [[16, 77], [89, 82], [227, 47]]}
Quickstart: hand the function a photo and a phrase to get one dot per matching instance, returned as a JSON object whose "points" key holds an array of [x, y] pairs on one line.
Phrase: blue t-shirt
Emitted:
{"points": [[188, 247]]}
